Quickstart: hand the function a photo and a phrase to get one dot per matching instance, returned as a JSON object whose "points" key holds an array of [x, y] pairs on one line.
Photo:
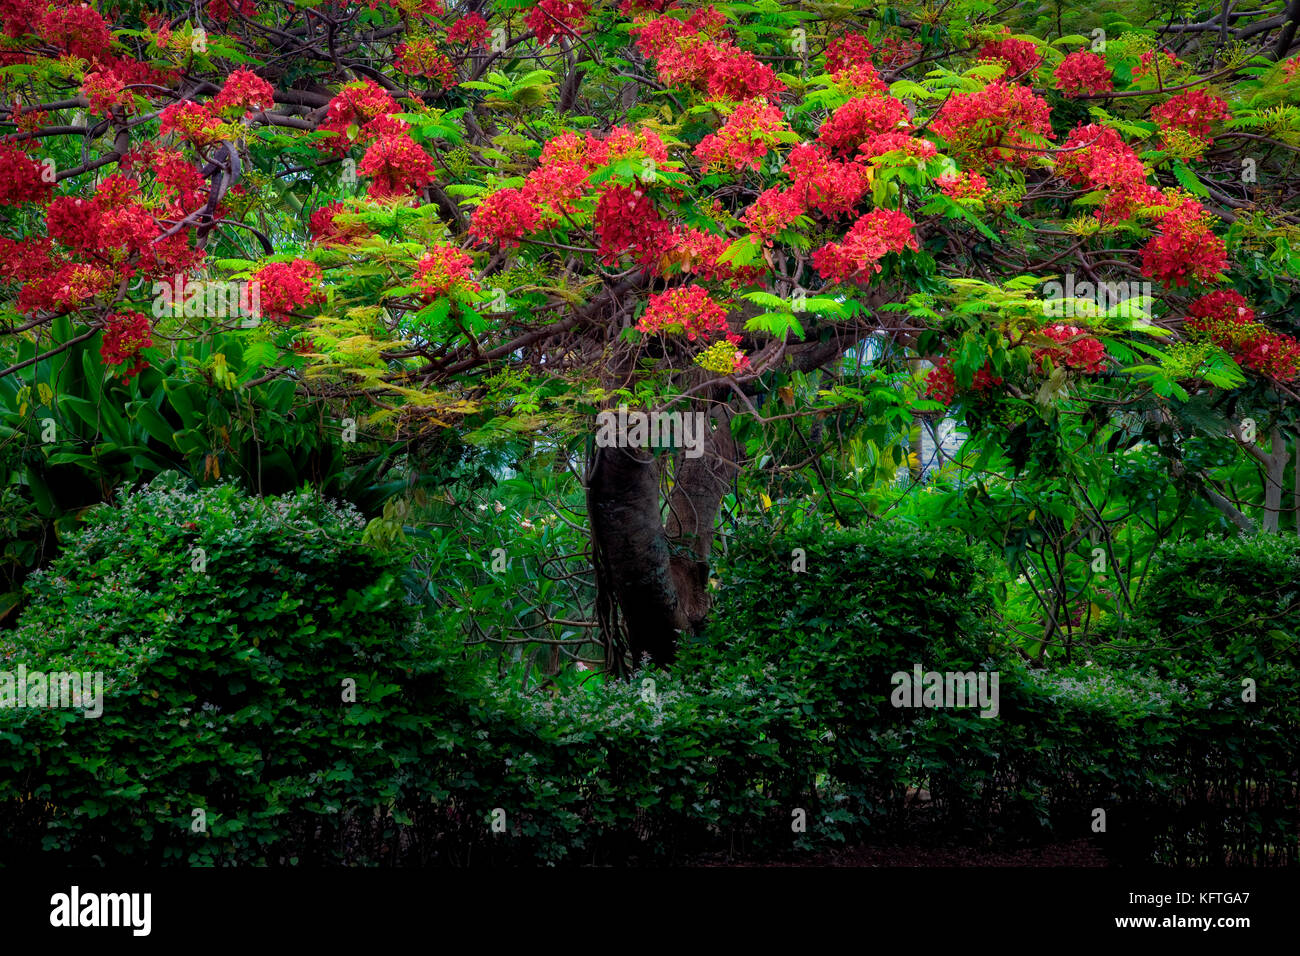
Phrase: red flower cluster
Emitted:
{"points": [[966, 185], [861, 119], [696, 252], [22, 179], [223, 10], [76, 28], [287, 286], [65, 288], [1095, 156], [993, 124], [358, 104], [327, 231], [1020, 56], [1150, 60], [1084, 73], [686, 309], [772, 211], [828, 185], [180, 181], [1230, 324], [876, 234], [503, 218], [244, 91], [105, 91], [1192, 112], [1078, 350], [421, 56], [696, 52], [941, 381], [851, 51], [619, 143], [1184, 247], [398, 166], [915, 146], [896, 51], [552, 18], [442, 269], [627, 223], [554, 188], [470, 30], [192, 121], [745, 138], [125, 334]]}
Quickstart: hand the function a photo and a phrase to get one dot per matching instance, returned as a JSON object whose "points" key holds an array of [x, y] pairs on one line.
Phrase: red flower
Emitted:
{"points": [[22, 179], [963, 185], [357, 104], [825, 184], [1020, 56], [698, 253], [994, 124], [696, 52], [244, 91], [686, 309], [398, 165], [772, 211], [420, 56], [1184, 248], [1191, 112], [125, 334], [1079, 350], [1084, 72], [745, 138], [78, 29], [555, 188], [471, 30], [106, 92], [193, 121], [286, 286], [503, 218], [850, 51], [552, 18], [327, 232], [915, 146], [876, 234], [627, 223], [860, 119], [941, 381], [443, 268]]}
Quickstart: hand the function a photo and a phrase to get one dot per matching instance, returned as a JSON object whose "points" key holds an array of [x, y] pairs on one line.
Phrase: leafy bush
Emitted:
{"points": [[225, 627], [865, 607], [224, 693], [1235, 601]]}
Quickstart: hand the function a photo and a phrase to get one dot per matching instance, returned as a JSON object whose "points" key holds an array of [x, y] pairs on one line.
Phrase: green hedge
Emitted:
{"points": [[224, 692], [223, 685]]}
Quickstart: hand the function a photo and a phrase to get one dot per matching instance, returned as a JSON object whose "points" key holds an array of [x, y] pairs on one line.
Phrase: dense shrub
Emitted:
{"points": [[225, 627], [224, 692], [1224, 615], [1235, 601], [868, 603]]}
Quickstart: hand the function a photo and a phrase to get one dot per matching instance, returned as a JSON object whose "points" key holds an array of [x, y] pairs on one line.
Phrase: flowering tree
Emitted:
{"points": [[505, 217]]}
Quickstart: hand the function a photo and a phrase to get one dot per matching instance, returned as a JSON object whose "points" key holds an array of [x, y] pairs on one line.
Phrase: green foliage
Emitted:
{"points": [[222, 686]]}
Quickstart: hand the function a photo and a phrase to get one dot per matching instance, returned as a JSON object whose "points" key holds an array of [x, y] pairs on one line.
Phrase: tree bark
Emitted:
{"points": [[652, 575]]}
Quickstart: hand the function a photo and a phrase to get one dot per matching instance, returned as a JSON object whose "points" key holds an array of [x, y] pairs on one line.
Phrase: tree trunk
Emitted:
{"points": [[652, 577], [1274, 472]]}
